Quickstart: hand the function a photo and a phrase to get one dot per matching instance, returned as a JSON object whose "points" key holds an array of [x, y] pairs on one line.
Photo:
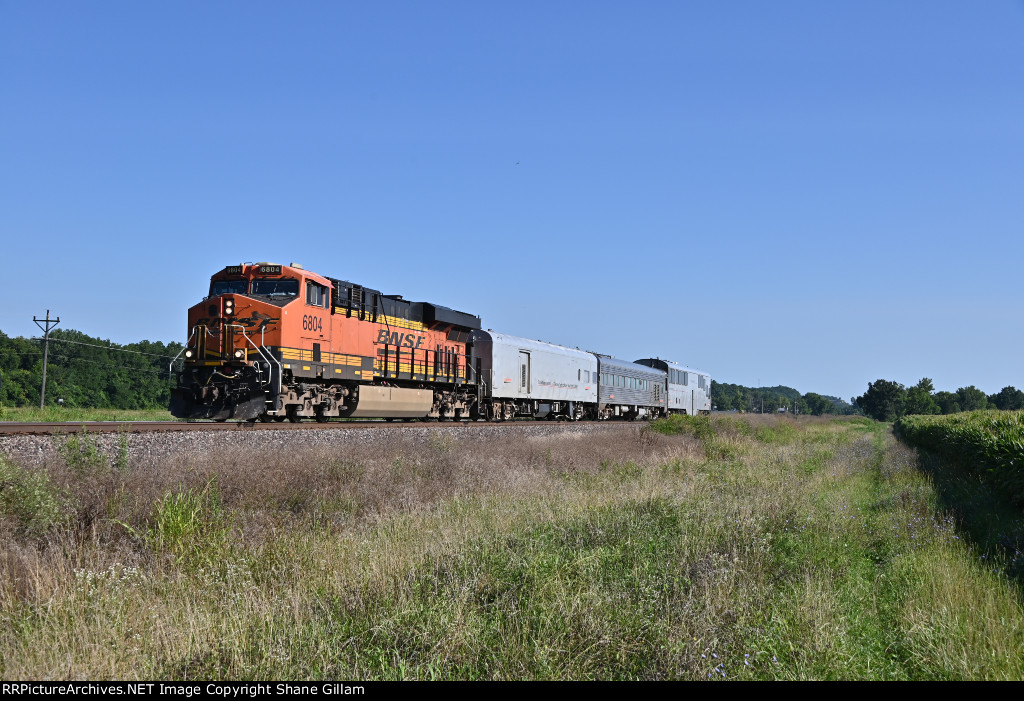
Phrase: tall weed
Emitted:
{"points": [[82, 453], [29, 501], [189, 525]]}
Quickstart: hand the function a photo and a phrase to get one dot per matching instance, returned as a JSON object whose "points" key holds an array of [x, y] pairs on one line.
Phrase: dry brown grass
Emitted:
{"points": [[307, 487]]}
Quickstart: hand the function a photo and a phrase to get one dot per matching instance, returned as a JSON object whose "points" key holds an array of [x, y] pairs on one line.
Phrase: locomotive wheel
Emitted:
{"points": [[266, 418]]}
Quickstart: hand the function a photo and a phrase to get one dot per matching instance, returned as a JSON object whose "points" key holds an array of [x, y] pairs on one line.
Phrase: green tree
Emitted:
{"points": [[947, 402], [971, 398], [1008, 399], [818, 405], [885, 400], [920, 400], [723, 395]]}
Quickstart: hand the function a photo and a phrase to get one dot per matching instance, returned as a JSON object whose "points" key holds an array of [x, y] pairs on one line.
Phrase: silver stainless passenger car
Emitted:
{"points": [[689, 390], [523, 377], [629, 390]]}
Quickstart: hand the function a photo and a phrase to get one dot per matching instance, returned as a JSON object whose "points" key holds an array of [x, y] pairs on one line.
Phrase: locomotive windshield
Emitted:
{"points": [[225, 287], [276, 287]]}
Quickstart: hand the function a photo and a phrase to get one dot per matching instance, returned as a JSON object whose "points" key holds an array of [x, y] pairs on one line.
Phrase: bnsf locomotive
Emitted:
{"points": [[275, 342]]}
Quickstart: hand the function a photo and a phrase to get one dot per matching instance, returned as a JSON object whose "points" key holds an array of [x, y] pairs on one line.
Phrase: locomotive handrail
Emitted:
{"points": [[170, 367], [266, 355]]}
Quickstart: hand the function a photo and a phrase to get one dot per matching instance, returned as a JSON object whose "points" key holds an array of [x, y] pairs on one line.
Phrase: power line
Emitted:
{"points": [[70, 359], [25, 353], [67, 360], [95, 345], [62, 358]]}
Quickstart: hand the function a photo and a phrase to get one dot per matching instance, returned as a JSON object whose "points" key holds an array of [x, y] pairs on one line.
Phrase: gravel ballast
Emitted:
{"points": [[152, 448]]}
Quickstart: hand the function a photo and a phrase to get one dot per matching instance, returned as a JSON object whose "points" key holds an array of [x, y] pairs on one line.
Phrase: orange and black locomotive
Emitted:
{"points": [[272, 342]]}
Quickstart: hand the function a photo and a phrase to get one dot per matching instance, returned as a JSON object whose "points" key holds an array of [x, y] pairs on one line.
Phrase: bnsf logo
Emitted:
{"points": [[312, 323], [405, 340]]}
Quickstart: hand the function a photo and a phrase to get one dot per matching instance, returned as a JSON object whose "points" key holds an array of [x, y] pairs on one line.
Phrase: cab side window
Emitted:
{"points": [[316, 294]]}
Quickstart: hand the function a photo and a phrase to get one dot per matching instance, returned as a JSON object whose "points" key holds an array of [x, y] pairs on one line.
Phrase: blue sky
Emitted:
{"points": [[815, 194]]}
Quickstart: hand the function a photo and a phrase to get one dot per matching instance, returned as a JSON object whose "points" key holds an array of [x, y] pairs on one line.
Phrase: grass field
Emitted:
{"points": [[56, 413], [756, 548]]}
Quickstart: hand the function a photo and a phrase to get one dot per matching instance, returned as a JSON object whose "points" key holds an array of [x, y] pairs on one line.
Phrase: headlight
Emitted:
{"points": [[239, 353], [188, 353]]}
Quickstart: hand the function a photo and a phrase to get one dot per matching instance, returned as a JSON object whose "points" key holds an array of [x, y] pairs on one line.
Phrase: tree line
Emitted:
{"points": [[730, 397], [85, 371], [887, 400]]}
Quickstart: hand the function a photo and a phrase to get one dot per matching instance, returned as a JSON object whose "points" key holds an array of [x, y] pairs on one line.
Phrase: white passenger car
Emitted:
{"points": [[523, 377]]}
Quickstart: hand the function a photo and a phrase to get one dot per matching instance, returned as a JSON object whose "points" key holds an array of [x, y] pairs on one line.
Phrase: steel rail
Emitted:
{"points": [[12, 428]]}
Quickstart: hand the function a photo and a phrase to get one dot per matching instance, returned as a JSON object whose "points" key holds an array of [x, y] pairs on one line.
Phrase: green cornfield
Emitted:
{"points": [[988, 443]]}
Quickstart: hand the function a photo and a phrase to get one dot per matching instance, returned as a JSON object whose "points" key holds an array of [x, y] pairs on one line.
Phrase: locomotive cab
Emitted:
{"points": [[230, 367]]}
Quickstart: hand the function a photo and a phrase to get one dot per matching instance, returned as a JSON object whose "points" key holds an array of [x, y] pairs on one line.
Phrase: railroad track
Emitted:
{"points": [[49, 428]]}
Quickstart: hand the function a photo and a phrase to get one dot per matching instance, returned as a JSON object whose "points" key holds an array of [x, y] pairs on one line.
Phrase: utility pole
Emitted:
{"points": [[46, 348]]}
